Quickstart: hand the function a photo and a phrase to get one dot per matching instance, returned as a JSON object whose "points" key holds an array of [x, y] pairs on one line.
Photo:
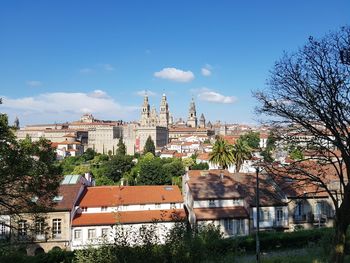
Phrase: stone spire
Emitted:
{"points": [[164, 112], [145, 112], [202, 121], [192, 115], [16, 123]]}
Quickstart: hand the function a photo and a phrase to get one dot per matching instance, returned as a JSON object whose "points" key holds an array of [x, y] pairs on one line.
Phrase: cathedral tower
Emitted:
{"points": [[145, 113], [202, 121], [164, 112], [192, 115]]}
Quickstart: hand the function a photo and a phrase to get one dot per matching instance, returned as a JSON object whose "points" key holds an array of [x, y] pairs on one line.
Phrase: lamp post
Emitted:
{"points": [[257, 218]]}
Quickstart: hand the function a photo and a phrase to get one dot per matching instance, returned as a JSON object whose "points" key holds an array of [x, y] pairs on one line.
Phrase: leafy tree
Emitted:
{"points": [[241, 152], [296, 154], [27, 170], [81, 169], [152, 173], [88, 155], [200, 166], [252, 138], [149, 146], [308, 92], [117, 166], [188, 162], [121, 147], [174, 168], [222, 154]]}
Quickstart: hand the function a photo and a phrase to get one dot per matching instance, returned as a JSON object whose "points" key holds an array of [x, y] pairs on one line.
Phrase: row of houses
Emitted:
{"points": [[85, 215]]}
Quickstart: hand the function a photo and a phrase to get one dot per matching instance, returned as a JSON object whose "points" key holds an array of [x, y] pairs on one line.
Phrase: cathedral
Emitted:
{"points": [[150, 117]]}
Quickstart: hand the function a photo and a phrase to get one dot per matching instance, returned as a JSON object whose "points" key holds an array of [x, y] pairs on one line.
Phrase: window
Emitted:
{"points": [[228, 224], [211, 202], [56, 228], [77, 234], [2, 229], [264, 215], [84, 209], [237, 201], [172, 205], [240, 230], [39, 226], [157, 205], [91, 233], [279, 215], [103, 208], [22, 229], [105, 232], [142, 207]]}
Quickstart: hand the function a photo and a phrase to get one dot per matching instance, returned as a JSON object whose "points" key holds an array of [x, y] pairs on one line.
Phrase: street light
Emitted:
{"points": [[257, 218]]}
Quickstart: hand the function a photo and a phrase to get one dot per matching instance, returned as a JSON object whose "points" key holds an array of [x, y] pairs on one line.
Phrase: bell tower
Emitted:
{"points": [[164, 112], [145, 112], [192, 115]]}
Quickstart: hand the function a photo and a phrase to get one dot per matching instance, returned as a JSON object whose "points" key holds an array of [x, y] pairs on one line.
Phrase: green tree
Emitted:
{"points": [[81, 169], [121, 147], [152, 173], [296, 153], [117, 166], [149, 146], [188, 162], [27, 170], [308, 92], [200, 166], [222, 154], [88, 155], [252, 138], [241, 152]]}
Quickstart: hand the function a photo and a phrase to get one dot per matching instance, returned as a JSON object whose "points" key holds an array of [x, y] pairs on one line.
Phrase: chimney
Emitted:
{"points": [[88, 178], [221, 175]]}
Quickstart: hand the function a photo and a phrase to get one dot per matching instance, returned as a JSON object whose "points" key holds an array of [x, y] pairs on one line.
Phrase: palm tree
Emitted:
{"points": [[241, 152], [222, 154]]}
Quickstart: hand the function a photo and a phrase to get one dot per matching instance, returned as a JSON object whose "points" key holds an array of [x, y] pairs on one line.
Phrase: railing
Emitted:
{"points": [[280, 223]]}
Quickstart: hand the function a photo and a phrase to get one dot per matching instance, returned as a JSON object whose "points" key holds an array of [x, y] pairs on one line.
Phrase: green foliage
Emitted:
{"points": [[222, 154], [241, 152], [121, 147], [188, 162], [296, 153], [27, 169], [149, 146], [200, 166], [152, 173], [252, 138], [88, 155], [81, 169], [117, 166]]}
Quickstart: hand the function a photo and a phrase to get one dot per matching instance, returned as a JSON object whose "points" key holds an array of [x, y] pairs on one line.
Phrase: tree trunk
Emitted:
{"points": [[339, 242]]}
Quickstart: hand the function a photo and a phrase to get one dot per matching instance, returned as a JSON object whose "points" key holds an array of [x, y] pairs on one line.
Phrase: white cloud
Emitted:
{"points": [[34, 83], [206, 72], [86, 70], [209, 95], [143, 93], [65, 106], [175, 74], [108, 67]]}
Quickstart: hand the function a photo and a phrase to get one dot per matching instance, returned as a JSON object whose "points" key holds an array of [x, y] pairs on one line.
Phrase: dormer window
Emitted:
{"points": [[211, 202], [103, 208]]}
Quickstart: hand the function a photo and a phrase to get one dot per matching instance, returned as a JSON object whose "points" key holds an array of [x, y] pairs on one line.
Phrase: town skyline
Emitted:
{"points": [[55, 70]]}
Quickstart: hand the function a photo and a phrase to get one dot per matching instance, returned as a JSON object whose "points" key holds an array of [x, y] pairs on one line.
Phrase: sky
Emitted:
{"points": [[61, 59]]}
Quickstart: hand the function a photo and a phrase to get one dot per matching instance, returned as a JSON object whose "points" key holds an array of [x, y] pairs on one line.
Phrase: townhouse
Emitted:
{"points": [[104, 211], [48, 229]]}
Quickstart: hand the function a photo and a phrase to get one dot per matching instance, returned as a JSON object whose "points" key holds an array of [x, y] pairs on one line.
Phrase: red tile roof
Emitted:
{"points": [[220, 212], [132, 217], [127, 195]]}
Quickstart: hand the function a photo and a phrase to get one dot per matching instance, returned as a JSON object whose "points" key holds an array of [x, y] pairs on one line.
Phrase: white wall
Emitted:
{"points": [[138, 207], [129, 233], [268, 223]]}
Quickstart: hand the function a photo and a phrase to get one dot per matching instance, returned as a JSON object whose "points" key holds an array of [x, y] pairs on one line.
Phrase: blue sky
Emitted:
{"points": [[59, 59]]}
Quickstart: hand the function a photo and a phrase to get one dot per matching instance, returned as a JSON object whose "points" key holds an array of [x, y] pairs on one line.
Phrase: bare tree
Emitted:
{"points": [[308, 99]]}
